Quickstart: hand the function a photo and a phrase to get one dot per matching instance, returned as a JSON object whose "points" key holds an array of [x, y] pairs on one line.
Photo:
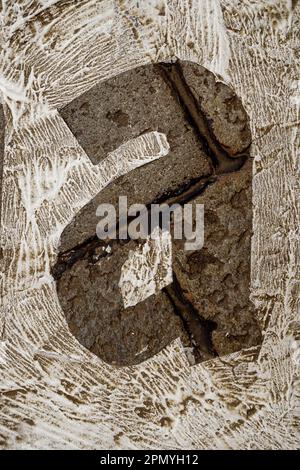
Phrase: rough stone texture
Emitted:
{"points": [[147, 101], [213, 283], [91, 299], [139, 100], [216, 279], [220, 104]]}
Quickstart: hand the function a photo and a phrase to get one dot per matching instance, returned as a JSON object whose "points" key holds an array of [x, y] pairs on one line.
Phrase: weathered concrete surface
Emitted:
{"points": [[216, 278], [220, 105], [209, 308], [147, 101], [90, 296]]}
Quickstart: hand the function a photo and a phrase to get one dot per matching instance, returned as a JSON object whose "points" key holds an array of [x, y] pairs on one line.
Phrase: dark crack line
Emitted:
{"points": [[186, 192], [199, 329], [181, 195], [221, 160]]}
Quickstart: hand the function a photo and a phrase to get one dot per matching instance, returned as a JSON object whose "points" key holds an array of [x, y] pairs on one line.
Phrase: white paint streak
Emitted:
{"points": [[246, 400], [148, 269]]}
